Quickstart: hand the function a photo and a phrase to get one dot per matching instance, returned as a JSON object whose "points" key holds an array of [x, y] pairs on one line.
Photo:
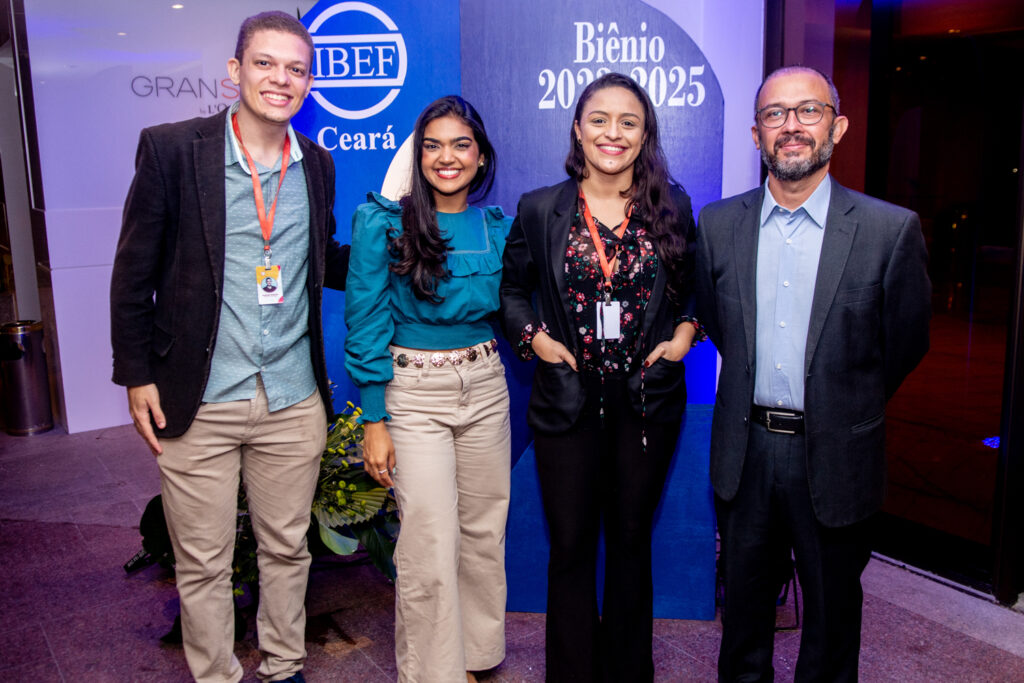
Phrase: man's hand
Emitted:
{"points": [[143, 402], [378, 452], [551, 350]]}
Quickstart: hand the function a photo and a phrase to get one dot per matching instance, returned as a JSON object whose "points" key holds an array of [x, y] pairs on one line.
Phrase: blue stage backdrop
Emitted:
{"points": [[377, 65], [522, 64]]}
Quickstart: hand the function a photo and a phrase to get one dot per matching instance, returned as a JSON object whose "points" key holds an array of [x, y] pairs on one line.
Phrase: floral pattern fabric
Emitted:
{"points": [[524, 347], [631, 285], [632, 282]]}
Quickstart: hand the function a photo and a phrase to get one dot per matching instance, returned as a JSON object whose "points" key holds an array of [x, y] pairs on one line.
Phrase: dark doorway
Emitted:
{"points": [[944, 110]]}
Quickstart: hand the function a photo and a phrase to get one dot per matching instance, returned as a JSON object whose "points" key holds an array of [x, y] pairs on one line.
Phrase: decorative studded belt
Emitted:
{"points": [[441, 358]]}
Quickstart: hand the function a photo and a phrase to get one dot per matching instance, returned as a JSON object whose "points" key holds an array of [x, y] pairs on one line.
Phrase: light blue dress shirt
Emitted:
{"points": [[788, 249], [270, 342]]}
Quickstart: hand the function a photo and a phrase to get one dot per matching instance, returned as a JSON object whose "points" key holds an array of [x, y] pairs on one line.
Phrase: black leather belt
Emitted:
{"points": [[778, 420]]}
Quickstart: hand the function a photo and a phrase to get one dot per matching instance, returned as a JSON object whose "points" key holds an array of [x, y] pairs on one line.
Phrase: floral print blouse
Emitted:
{"points": [[631, 286]]}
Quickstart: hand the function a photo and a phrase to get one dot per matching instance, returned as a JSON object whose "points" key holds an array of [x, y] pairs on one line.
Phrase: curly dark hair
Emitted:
{"points": [[420, 252], [649, 194]]}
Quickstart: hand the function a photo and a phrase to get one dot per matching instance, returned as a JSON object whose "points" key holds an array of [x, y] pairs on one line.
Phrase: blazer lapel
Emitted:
{"points": [[209, 172], [317, 203], [657, 292], [557, 236], [745, 246], [840, 229]]}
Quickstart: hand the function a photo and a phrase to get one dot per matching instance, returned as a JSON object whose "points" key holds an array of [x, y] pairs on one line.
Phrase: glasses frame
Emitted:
{"points": [[757, 114]]}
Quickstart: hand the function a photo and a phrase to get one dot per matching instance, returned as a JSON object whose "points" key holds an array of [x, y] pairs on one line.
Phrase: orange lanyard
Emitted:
{"points": [[266, 219], [606, 267]]}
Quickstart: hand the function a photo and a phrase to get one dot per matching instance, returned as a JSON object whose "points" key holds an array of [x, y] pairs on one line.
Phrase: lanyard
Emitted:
{"points": [[606, 267], [266, 219]]}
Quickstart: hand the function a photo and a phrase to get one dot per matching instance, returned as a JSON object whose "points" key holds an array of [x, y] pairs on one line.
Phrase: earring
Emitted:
{"points": [[480, 164]]}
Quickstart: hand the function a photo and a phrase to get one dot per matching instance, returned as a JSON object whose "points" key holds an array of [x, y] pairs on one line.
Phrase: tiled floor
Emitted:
{"points": [[69, 511]]}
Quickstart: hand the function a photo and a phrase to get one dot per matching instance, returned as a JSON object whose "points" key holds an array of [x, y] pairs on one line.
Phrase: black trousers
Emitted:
{"points": [[599, 471], [770, 516]]}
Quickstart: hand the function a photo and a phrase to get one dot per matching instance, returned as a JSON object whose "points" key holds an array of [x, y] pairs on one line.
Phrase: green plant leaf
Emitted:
{"points": [[339, 544], [380, 548]]}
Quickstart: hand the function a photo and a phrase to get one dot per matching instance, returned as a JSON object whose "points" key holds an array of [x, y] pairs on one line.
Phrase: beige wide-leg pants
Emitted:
{"points": [[450, 428], [278, 455]]}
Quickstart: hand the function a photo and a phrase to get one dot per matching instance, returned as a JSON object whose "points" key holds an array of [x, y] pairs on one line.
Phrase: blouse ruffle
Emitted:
{"points": [[374, 306]]}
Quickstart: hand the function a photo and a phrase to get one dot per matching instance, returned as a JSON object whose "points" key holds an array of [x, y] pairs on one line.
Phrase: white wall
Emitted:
{"points": [[719, 27], [88, 125]]}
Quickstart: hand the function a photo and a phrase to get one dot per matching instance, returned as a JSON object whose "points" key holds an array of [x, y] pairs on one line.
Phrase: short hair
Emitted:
{"points": [[273, 20], [796, 68]]}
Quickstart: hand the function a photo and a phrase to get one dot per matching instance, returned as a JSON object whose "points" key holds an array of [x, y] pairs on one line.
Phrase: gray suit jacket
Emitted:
{"points": [[868, 329], [169, 268]]}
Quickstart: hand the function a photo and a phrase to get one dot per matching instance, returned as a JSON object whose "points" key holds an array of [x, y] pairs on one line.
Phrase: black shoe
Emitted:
{"points": [[296, 677]]}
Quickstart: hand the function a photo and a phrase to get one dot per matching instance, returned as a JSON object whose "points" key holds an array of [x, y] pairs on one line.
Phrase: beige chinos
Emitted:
{"points": [[278, 455], [450, 429]]}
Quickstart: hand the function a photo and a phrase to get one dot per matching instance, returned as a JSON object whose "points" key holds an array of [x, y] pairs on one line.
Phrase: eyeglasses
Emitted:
{"points": [[807, 113]]}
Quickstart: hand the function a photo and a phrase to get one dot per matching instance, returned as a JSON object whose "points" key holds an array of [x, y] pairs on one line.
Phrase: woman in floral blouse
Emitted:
{"points": [[597, 284]]}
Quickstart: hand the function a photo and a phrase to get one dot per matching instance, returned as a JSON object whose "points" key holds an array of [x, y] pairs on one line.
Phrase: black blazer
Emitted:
{"points": [[868, 329], [165, 291], [533, 289]]}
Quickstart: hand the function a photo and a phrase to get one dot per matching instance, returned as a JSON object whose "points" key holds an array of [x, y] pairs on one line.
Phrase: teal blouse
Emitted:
{"points": [[381, 309]]}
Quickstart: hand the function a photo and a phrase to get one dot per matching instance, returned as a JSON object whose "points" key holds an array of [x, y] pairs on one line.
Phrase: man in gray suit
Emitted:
{"points": [[818, 300]]}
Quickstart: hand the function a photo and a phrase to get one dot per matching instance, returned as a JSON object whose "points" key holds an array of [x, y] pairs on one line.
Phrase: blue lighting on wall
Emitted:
{"points": [[991, 442]]}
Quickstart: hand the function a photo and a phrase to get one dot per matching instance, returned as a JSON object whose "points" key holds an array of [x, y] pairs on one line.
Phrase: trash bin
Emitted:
{"points": [[24, 378]]}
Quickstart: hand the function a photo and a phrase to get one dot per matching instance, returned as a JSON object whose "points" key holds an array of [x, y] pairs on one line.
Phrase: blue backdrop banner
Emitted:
{"points": [[376, 66], [522, 65]]}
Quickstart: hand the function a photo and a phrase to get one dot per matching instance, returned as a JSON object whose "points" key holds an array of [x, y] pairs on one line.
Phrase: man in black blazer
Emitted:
{"points": [[818, 300], [225, 373]]}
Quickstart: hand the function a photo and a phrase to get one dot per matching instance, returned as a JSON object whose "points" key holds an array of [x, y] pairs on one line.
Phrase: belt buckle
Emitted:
{"points": [[768, 422]]}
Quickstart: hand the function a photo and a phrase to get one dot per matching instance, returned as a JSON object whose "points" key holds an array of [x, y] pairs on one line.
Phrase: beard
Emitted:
{"points": [[797, 169]]}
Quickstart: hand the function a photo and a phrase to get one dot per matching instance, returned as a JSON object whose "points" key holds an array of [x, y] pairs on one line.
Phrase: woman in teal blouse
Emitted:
{"points": [[422, 287]]}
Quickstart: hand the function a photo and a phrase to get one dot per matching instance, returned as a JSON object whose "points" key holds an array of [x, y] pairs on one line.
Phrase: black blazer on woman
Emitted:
{"points": [[534, 264]]}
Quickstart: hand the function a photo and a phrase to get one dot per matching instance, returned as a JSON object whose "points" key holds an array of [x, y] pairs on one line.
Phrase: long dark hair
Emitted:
{"points": [[649, 194], [420, 252]]}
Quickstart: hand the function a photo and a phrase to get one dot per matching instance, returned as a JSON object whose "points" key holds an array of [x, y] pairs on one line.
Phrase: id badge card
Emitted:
{"points": [[269, 285], [608, 315]]}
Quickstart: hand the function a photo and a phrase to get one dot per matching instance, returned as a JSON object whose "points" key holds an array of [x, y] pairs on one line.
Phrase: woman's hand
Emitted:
{"points": [[550, 350], [378, 452], [675, 348]]}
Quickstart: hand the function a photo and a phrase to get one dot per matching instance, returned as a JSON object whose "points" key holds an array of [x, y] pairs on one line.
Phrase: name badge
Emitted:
{"points": [[608, 315], [269, 285]]}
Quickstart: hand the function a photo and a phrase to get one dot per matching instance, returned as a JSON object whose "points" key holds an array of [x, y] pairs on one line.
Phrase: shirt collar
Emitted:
{"points": [[816, 205], [233, 152]]}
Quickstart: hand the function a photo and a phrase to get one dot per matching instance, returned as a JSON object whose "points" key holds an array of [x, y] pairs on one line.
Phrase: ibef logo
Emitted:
{"points": [[360, 60]]}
